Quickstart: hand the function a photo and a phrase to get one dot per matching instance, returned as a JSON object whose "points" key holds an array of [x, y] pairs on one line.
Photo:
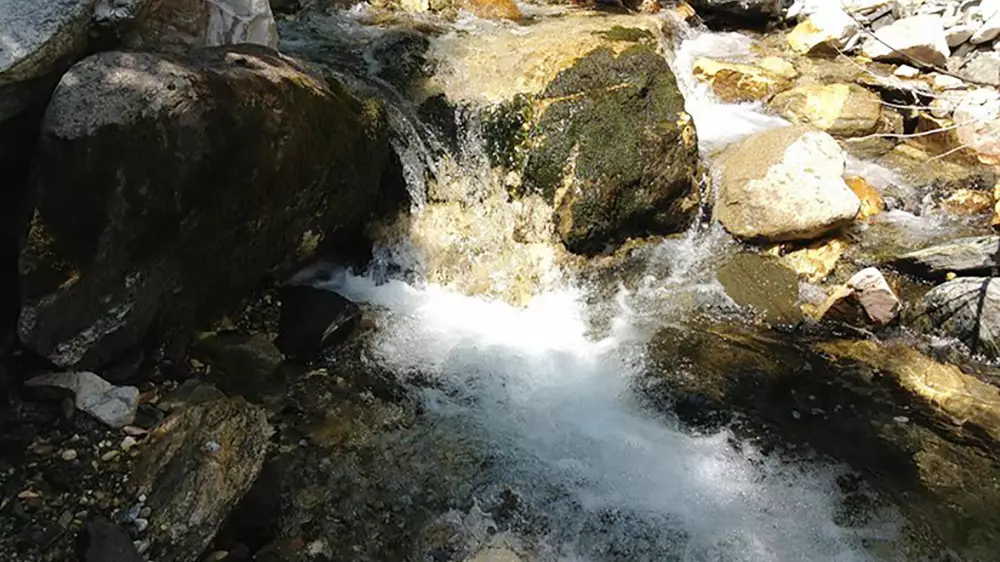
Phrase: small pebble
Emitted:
{"points": [[69, 455], [210, 447], [907, 72], [65, 519], [901, 419], [796, 414], [110, 455], [142, 498], [128, 443], [141, 524], [28, 495], [142, 546], [134, 431], [217, 556], [146, 512], [42, 449]]}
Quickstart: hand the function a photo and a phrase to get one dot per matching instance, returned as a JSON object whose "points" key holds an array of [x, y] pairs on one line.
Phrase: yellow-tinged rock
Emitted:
{"points": [[816, 261], [958, 397], [843, 110], [779, 67], [492, 9], [735, 83], [871, 200], [968, 202]]}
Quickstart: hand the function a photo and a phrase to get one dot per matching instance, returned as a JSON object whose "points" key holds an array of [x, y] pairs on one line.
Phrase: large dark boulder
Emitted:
{"points": [[166, 188], [739, 13]]}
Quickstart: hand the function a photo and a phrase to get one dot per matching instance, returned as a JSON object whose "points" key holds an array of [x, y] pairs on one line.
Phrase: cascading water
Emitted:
{"points": [[547, 410]]}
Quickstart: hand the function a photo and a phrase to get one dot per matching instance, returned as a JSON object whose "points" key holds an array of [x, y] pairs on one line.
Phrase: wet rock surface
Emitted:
{"points": [[199, 463], [103, 541], [842, 398], [965, 256], [165, 225], [313, 320], [613, 149], [967, 309]]}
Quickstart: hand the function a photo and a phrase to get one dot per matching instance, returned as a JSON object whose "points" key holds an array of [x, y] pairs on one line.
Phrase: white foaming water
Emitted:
{"points": [[613, 480], [718, 123]]}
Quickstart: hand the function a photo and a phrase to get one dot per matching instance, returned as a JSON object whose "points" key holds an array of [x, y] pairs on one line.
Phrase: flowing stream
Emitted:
{"points": [[546, 404]]}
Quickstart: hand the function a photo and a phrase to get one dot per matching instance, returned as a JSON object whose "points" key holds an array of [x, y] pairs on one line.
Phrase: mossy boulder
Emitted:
{"points": [[168, 187], [587, 112], [613, 150]]}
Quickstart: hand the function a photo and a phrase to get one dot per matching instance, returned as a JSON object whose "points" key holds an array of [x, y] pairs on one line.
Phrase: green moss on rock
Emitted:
{"points": [[613, 149]]}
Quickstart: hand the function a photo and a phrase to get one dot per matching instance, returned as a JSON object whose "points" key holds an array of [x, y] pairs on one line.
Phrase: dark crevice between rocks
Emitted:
{"points": [[17, 142]]}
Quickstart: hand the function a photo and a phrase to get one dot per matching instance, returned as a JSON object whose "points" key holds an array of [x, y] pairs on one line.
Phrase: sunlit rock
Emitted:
{"points": [[978, 121], [827, 31], [843, 110], [38, 40], [784, 184], [734, 83], [967, 308], [965, 256], [918, 37], [871, 200], [866, 299], [816, 261]]}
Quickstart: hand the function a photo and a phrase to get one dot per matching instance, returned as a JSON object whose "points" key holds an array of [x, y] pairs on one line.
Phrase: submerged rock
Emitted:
{"points": [[103, 541], [843, 110], [924, 433], [967, 308], [966, 256], [764, 284], [919, 38], [784, 184], [114, 406], [197, 465], [182, 182], [313, 320]]}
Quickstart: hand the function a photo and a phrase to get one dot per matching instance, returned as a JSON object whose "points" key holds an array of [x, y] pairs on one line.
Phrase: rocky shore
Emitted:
{"points": [[797, 204]]}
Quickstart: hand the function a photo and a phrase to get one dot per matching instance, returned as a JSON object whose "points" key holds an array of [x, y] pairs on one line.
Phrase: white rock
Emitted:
{"points": [[959, 34], [188, 24], [945, 82], [989, 31], [906, 71], [920, 37], [113, 405], [784, 184], [978, 119], [241, 21], [829, 28]]}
